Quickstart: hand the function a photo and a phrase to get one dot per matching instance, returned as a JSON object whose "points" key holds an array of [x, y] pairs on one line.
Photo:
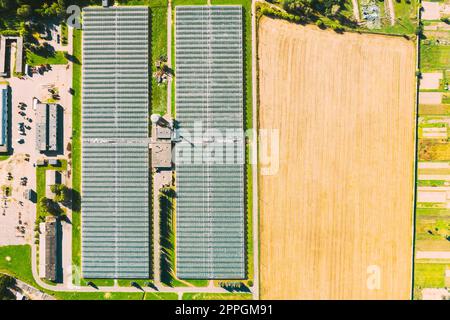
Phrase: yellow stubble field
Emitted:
{"points": [[336, 217]]}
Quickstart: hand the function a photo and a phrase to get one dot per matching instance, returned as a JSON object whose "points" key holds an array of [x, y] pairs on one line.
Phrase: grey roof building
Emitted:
{"points": [[48, 249], [210, 194], [115, 148], [46, 127], [4, 115]]}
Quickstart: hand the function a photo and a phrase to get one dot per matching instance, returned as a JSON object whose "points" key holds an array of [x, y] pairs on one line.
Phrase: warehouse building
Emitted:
{"points": [[210, 228], [115, 149], [48, 242], [46, 127], [4, 117]]}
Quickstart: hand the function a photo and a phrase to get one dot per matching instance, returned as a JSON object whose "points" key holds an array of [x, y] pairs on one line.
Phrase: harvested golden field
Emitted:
{"points": [[337, 215]]}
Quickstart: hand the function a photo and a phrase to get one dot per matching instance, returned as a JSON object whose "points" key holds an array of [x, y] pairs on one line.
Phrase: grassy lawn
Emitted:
{"points": [[159, 48], [76, 147], [19, 264], [431, 183], [434, 57], [4, 157], [16, 261], [405, 18], [34, 60], [160, 296], [100, 295], [188, 3], [64, 34], [438, 212], [217, 296]]}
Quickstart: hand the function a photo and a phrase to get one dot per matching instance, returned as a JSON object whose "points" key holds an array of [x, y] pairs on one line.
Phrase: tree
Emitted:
{"points": [[6, 282], [24, 11], [62, 193], [49, 206], [6, 5]]}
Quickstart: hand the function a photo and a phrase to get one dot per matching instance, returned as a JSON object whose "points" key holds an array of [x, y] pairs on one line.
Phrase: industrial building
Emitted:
{"points": [[48, 242], [210, 227], [47, 127], [4, 116], [115, 146]]}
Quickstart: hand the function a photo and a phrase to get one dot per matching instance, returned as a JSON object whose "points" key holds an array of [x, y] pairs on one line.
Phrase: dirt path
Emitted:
{"points": [[356, 10], [391, 12]]}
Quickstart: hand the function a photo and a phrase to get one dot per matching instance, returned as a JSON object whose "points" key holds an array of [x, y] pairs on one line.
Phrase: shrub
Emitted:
{"points": [[320, 24]]}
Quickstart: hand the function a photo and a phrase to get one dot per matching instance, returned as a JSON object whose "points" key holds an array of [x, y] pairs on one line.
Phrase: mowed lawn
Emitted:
{"points": [[217, 296], [341, 109], [57, 58]]}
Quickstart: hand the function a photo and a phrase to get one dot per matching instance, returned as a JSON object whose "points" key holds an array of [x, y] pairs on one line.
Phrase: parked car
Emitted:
{"points": [[20, 141]]}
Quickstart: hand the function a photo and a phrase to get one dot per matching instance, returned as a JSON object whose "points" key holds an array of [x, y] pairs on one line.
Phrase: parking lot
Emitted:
{"points": [[16, 211]]}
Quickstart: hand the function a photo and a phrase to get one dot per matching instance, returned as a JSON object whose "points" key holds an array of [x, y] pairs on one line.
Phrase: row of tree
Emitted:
{"points": [[328, 8], [42, 8]]}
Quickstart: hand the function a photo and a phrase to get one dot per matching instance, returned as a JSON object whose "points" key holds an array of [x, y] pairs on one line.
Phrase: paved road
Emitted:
{"points": [[391, 12], [254, 159], [356, 10]]}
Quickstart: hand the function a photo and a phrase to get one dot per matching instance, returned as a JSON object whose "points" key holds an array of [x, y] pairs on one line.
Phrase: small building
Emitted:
{"points": [[46, 127], [29, 195], [41, 162], [4, 115], [48, 249], [54, 162], [4, 41]]}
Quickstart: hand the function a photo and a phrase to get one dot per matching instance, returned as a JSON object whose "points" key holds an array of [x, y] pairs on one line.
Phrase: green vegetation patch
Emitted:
{"points": [[58, 57], [64, 34], [431, 183], [405, 17], [217, 296], [429, 275], [442, 109], [158, 50], [100, 295], [16, 261], [76, 148], [437, 212], [160, 296], [434, 57]]}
